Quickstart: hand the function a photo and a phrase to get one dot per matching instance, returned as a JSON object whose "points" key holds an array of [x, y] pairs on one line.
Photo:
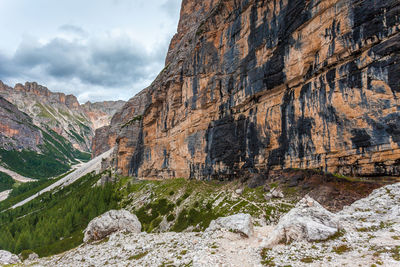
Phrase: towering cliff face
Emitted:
{"points": [[253, 86], [61, 113], [123, 132]]}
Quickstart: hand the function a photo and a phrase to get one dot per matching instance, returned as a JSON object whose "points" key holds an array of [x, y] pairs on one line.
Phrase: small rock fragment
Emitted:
{"points": [[277, 193], [239, 191]]}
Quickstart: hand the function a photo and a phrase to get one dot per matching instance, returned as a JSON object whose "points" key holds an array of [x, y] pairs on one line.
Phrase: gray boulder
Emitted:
{"points": [[110, 222], [8, 258], [307, 221], [33, 256], [238, 223]]}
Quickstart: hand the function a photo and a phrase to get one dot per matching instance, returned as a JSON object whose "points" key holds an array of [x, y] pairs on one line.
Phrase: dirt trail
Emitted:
{"points": [[4, 195], [16, 176]]}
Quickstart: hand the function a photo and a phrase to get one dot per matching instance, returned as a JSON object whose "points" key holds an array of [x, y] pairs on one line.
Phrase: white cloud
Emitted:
{"points": [[108, 49]]}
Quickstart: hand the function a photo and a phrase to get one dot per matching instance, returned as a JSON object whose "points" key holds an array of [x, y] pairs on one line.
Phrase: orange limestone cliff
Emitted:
{"points": [[256, 86]]}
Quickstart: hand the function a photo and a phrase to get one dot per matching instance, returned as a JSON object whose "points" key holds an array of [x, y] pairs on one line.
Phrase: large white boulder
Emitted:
{"points": [[8, 258], [110, 222], [307, 221], [238, 223]]}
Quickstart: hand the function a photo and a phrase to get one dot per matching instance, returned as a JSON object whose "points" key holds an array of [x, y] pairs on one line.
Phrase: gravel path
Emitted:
{"points": [[85, 168], [16, 176], [4, 195], [215, 248]]}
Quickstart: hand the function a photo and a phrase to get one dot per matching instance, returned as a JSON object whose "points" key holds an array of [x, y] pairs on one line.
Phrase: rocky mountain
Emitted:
{"points": [[100, 113], [30, 150], [61, 113], [258, 86], [43, 133], [17, 130]]}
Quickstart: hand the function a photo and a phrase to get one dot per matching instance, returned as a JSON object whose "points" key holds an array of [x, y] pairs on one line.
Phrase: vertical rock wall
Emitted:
{"points": [[253, 86]]}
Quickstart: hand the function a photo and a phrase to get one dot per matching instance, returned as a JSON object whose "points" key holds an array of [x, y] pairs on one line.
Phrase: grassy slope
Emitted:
{"points": [[57, 155], [181, 204], [23, 191], [53, 222], [6, 182]]}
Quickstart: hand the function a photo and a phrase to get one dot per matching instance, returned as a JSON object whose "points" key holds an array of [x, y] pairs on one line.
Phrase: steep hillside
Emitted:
{"points": [[30, 150], [257, 86], [17, 128], [61, 113], [369, 231]]}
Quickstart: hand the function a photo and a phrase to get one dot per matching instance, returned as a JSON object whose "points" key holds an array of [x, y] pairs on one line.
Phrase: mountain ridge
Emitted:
{"points": [[61, 112], [44, 133]]}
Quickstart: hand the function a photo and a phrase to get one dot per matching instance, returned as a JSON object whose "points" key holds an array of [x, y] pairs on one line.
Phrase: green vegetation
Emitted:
{"points": [[32, 164], [53, 222], [138, 256], [152, 219], [44, 113], [25, 253], [341, 249], [57, 153], [6, 182], [76, 136], [266, 260], [61, 148], [307, 260], [130, 122], [193, 204], [23, 191], [394, 252], [194, 217]]}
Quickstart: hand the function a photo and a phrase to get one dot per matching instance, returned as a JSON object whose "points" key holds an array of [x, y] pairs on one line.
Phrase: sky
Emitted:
{"points": [[95, 49]]}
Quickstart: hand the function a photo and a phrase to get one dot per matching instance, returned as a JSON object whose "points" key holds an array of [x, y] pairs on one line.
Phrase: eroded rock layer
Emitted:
{"points": [[253, 86], [17, 130]]}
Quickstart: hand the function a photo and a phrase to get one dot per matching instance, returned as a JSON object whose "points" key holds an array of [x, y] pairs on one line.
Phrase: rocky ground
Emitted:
{"points": [[369, 235], [219, 248]]}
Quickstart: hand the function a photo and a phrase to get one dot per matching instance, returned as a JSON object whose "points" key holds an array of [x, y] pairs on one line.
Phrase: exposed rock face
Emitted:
{"points": [[16, 129], [110, 222], [125, 132], [239, 223], [61, 113], [100, 113], [307, 221], [8, 258], [253, 86]]}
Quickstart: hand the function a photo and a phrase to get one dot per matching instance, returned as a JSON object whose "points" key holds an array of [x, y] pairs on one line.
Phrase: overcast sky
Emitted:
{"points": [[94, 49]]}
